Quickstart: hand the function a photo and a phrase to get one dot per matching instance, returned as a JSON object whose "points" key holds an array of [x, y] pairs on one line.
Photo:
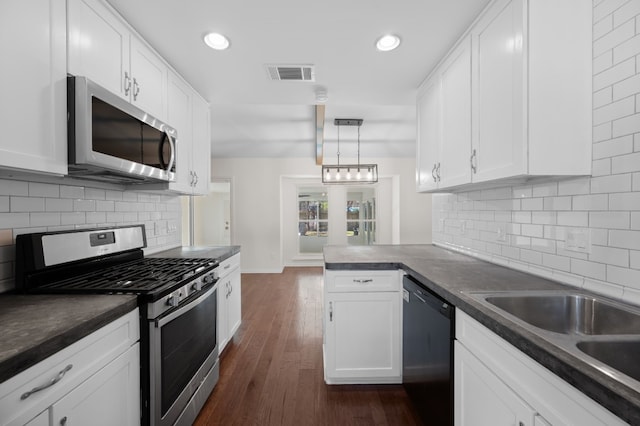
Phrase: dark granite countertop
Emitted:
{"points": [[34, 327], [452, 275], [219, 253]]}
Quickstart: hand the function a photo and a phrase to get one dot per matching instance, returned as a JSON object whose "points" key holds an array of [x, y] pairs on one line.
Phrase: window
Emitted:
{"points": [[361, 217], [313, 220]]}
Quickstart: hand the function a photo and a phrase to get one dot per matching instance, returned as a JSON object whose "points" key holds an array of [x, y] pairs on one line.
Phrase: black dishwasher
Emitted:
{"points": [[427, 346]]}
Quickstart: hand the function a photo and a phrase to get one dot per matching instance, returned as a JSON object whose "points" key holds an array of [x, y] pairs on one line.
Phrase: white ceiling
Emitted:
{"points": [[252, 116]]}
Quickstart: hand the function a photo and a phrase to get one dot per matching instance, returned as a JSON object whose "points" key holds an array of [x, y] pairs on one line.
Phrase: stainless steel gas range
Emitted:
{"points": [[177, 299]]}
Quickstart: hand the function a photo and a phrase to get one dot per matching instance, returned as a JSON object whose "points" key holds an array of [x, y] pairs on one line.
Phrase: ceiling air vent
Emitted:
{"points": [[291, 72]]}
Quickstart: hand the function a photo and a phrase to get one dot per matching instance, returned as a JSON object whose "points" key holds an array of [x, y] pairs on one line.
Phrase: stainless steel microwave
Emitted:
{"points": [[111, 140]]}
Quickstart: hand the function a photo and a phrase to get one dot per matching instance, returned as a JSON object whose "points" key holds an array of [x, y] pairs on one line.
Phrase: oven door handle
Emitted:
{"points": [[162, 320]]}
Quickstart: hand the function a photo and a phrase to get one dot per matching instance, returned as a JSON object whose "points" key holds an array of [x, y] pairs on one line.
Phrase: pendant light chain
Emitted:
{"points": [[338, 145]]}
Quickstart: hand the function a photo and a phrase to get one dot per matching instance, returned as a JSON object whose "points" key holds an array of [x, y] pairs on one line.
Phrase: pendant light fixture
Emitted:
{"points": [[349, 173]]}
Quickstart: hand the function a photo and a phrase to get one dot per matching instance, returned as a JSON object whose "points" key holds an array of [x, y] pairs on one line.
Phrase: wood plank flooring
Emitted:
{"points": [[271, 373]]}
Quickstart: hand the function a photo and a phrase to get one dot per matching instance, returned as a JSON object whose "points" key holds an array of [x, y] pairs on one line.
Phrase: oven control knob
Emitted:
{"points": [[208, 278], [197, 286], [172, 300]]}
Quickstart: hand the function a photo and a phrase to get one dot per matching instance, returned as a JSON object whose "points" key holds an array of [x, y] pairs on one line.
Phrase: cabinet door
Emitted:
{"points": [[234, 302], [109, 397], [149, 80], [428, 131], [362, 342], [499, 83], [41, 419], [455, 149], [33, 86], [481, 399], [179, 117], [201, 145], [222, 324], [98, 46]]}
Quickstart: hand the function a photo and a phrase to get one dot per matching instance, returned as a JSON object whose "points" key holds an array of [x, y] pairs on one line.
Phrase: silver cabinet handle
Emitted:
{"points": [[474, 166], [227, 266], [438, 171], [330, 311], [363, 281], [63, 421], [127, 83], [195, 178], [136, 89], [433, 173], [51, 383]]}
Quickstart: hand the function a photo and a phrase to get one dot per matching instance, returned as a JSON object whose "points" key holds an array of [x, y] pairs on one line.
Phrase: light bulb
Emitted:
{"points": [[348, 174], [358, 175], [328, 174], [338, 175], [369, 175]]}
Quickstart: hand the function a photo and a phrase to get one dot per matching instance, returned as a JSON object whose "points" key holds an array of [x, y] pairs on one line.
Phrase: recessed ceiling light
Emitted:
{"points": [[387, 42], [216, 41]]}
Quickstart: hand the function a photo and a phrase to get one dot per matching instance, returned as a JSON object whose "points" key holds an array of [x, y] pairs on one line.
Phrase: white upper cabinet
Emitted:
{"points": [[428, 131], [521, 79], [33, 86], [104, 49], [189, 113]]}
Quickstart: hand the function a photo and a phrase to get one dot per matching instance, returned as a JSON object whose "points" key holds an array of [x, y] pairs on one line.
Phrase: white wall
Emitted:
{"points": [[607, 205], [256, 203], [27, 207]]}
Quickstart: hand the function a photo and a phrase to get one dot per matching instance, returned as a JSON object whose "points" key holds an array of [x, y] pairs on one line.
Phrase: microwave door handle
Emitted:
{"points": [[172, 159]]}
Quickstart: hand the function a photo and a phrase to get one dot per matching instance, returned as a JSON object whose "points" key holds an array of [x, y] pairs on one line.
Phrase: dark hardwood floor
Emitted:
{"points": [[271, 373]]}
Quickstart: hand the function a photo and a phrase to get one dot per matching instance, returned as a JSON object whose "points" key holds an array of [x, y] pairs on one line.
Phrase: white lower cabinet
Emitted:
{"points": [[496, 384], [362, 327], [229, 300], [94, 381]]}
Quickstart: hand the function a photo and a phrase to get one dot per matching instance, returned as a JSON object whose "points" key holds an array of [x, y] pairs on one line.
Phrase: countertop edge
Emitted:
{"points": [[30, 357]]}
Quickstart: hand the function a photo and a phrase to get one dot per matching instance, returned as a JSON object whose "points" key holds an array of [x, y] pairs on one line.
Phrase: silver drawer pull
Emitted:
{"points": [[51, 382], [227, 266], [366, 280]]}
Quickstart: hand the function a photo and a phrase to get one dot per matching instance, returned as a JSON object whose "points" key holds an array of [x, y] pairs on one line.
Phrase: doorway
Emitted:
{"points": [[211, 216]]}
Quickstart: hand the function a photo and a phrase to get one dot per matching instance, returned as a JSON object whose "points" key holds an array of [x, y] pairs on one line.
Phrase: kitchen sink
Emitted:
{"points": [[570, 313], [622, 355]]}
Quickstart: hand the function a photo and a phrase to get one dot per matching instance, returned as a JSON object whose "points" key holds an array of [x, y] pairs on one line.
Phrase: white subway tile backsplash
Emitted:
{"points": [[12, 187], [26, 204], [549, 189], [626, 88], [531, 230], [588, 269], [573, 218], [624, 239], [610, 220], [556, 262], [105, 206], [590, 202], [635, 220], [624, 276], [602, 97], [113, 195], [613, 147], [71, 191], [614, 38], [521, 217], [544, 218], [4, 204], [622, 108], [604, 288], [557, 203], [94, 194], [609, 255], [626, 12], [634, 259], [73, 218], [626, 125], [614, 74], [601, 167], [610, 184], [625, 163], [58, 204], [522, 192], [96, 217], [84, 205], [602, 27], [531, 256], [606, 7], [602, 132], [531, 204], [14, 220], [627, 49], [43, 190], [624, 201], [44, 219]]}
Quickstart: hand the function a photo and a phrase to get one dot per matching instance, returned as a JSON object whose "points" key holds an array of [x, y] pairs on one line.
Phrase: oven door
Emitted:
{"points": [[183, 360]]}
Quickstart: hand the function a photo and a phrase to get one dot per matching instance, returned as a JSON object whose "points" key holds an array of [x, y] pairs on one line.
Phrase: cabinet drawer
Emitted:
{"points": [[342, 281], [228, 265], [86, 356]]}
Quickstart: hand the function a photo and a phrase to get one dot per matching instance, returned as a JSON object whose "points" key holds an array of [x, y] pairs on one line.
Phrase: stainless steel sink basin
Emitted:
{"points": [[570, 313], [621, 355]]}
